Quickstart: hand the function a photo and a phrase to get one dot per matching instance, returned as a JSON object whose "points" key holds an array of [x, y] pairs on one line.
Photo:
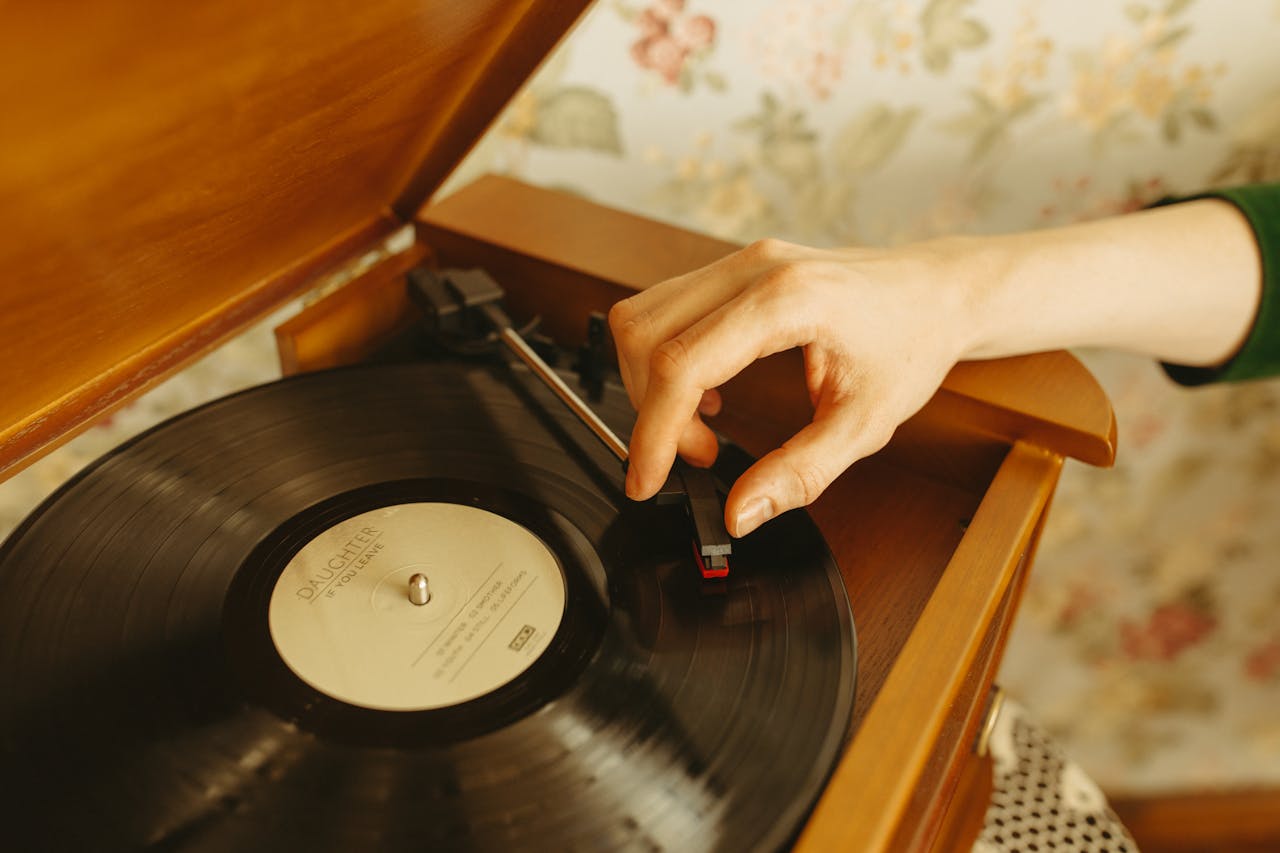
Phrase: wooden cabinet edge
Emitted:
{"points": [[33, 436], [348, 324], [903, 722]]}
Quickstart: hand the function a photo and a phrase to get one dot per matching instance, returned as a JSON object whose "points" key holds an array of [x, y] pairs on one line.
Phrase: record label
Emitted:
{"points": [[348, 615]]}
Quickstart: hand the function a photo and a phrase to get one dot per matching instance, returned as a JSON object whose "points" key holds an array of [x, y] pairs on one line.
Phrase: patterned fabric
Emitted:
{"points": [[1148, 641], [1043, 801]]}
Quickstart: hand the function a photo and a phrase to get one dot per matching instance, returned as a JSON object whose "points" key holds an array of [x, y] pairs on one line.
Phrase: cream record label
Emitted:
{"points": [[343, 614]]}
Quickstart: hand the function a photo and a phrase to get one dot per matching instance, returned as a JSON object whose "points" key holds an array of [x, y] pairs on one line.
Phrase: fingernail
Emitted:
{"points": [[755, 513], [632, 486]]}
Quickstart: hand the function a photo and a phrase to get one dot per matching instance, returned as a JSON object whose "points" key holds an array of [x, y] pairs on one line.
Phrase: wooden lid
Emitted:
{"points": [[170, 171]]}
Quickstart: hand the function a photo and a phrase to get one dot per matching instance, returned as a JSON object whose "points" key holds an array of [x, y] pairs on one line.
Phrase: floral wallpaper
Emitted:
{"points": [[1148, 641]]}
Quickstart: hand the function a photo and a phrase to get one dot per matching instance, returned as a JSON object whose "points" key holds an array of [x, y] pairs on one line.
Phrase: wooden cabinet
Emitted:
{"points": [[173, 172], [934, 535]]}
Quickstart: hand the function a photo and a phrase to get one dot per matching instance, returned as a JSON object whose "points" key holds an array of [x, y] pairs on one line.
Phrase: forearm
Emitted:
{"points": [[1180, 283]]}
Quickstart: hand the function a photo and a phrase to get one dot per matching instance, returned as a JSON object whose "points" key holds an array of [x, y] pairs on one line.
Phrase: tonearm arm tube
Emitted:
{"points": [[464, 307]]}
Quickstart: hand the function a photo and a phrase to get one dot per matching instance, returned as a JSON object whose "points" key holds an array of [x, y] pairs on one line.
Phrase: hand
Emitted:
{"points": [[879, 330]]}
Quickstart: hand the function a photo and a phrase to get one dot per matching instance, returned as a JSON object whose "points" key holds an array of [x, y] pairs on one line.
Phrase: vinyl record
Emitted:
{"points": [[209, 639]]}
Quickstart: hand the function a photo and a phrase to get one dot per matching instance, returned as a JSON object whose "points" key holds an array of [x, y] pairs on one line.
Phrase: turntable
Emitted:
{"points": [[172, 174]]}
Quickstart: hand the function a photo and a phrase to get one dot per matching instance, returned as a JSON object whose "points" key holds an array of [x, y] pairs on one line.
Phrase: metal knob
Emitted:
{"points": [[419, 593], [983, 746]]}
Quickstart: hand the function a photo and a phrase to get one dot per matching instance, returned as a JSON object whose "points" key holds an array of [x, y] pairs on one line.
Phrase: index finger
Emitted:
{"points": [[703, 357], [654, 315]]}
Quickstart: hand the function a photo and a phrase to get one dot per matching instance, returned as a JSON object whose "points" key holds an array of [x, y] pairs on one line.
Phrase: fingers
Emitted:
{"points": [[795, 474], [867, 364], [645, 321], [711, 403], [665, 414], [649, 319], [677, 341], [681, 370], [637, 330]]}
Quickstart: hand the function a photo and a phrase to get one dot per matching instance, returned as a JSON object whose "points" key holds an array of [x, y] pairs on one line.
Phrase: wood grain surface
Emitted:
{"points": [[865, 805], [172, 171]]}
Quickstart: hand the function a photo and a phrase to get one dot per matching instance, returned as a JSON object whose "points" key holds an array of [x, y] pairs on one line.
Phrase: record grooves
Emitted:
{"points": [[144, 702]]}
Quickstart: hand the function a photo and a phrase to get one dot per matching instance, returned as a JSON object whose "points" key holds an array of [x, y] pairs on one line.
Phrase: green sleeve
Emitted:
{"points": [[1260, 354]]}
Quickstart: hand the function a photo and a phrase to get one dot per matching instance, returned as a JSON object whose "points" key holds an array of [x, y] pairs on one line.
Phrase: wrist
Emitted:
{"points": [[975, 272]]}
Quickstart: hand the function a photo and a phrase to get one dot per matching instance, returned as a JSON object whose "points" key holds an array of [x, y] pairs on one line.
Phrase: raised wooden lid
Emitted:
{"points": [[170, 171]]}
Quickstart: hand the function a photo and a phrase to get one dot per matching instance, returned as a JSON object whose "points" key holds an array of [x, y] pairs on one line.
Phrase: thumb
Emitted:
{"points": [[795, 474]]}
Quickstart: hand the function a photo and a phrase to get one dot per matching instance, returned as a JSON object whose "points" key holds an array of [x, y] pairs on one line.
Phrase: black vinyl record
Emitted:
{"points": [[145, 705]]}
